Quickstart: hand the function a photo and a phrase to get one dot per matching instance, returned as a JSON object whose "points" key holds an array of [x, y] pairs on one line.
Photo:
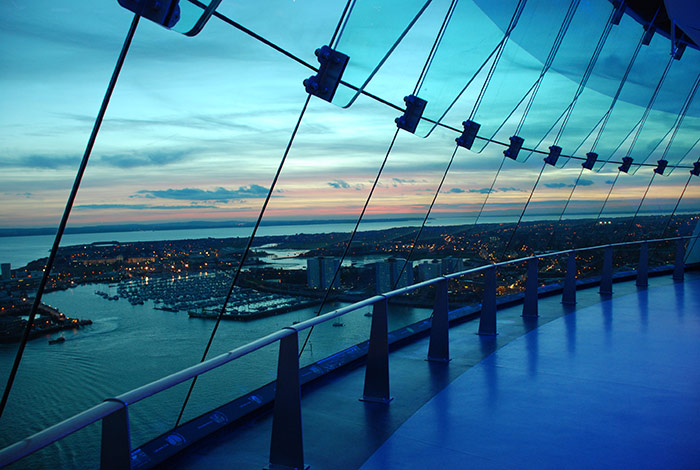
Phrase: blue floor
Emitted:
{"points": [[613, 385]]}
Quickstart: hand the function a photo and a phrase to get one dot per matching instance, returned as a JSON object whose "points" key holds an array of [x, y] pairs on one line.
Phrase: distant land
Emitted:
{"points": [[195, 224]]}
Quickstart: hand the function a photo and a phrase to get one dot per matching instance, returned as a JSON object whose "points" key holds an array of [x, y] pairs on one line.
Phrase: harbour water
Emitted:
{"points": [[130, 345]]}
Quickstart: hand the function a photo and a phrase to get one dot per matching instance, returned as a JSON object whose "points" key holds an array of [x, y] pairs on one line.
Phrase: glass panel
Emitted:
{"points": [[368, 36], [459, 58], [560, 85], [518, 69], [602, 85]]}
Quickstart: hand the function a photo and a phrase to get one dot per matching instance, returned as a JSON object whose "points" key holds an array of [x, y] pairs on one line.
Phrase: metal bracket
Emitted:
{"points": [[591, 157], [554, 152], [411, 117], [164, 12], [466, 140], [660, 167], [516, 144], [696, 169], [626, 164], [326, 81], [439, 346]]}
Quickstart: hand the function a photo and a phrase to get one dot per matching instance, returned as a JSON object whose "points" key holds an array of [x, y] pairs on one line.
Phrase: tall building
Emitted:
{"points": [[320, 272], [6, 271], [391, 274]]}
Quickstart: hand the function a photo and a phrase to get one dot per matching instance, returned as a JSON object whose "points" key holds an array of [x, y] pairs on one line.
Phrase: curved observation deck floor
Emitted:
{"points": [[613, 382]]}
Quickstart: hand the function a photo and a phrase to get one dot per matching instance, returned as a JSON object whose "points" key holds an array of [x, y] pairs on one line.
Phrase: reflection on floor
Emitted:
{"points": [[613, 384]]}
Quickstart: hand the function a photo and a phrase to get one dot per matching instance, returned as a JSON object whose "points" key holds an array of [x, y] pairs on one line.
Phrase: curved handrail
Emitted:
{"points": [[60, 430]]}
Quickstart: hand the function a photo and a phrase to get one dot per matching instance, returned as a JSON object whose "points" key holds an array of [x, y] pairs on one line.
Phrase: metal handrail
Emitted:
{"points": [[110, 406]]}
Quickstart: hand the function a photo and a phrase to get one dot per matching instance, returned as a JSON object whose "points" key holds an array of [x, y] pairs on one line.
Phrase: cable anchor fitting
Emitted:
{"points": [[466, 140], [626, 164], [516, 143], [326, 81], [696, 169], [411, 117], [164, 12], [591, 158], [554, 153], [661, 166]]}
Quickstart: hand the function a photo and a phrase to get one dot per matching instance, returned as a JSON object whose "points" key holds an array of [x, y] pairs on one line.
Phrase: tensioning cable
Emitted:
{"points": [[639, 206], [563, 211], [244, 257], [68, 208], [425, 219], [522, 213], [336, 272], [678, 202], [394, 106], [251, 238]]}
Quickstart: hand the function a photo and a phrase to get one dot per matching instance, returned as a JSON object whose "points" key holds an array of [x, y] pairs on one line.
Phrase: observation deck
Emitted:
{"points": [[609, 383]]}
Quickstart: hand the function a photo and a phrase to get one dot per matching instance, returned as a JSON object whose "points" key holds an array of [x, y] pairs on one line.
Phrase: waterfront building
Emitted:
{"points": [[6, 271], [320, 272], [392, 274]]}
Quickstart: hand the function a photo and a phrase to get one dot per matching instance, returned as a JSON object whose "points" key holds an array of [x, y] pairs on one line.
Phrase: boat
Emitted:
{"points": [[338, 323], [58, 340]]}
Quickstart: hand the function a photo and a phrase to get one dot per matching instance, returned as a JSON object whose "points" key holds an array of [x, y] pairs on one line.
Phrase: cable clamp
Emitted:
{"points": [[591, 157], [326, 81], [661, 166], [466, 140], [696, 169], [411, 117], [626, 164], [516, 143], [164, 12], [554, 152]]}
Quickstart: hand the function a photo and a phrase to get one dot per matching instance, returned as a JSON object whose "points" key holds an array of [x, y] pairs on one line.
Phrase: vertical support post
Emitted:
{"points": [[115, 453], [439, 347], [377, 371], [606, 284], [531, 285], [679, 267], [286, 444], [569, 295], [643, 267], [487, 322]]}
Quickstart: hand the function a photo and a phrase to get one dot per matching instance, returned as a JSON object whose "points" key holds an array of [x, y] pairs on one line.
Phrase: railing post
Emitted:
{"points": [[569, 295], [439, 347], [679, 267], [643, 267], [115, 453], [531, 284], [286, 444], [487, 322], [377, 371], [606, 284]]}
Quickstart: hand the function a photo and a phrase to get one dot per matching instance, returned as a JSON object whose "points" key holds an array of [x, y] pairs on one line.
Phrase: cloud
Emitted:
{"points": [[584, 182], [139, 207], [196, 194], [558, 185], [403, 180], [157, 158], [483, 190], [609, 181], [505, 190], [339, 184], [456, 190]]}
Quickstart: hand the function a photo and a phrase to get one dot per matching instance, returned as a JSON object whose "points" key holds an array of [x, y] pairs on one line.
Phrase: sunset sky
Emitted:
{"points": [[197, 125]]}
